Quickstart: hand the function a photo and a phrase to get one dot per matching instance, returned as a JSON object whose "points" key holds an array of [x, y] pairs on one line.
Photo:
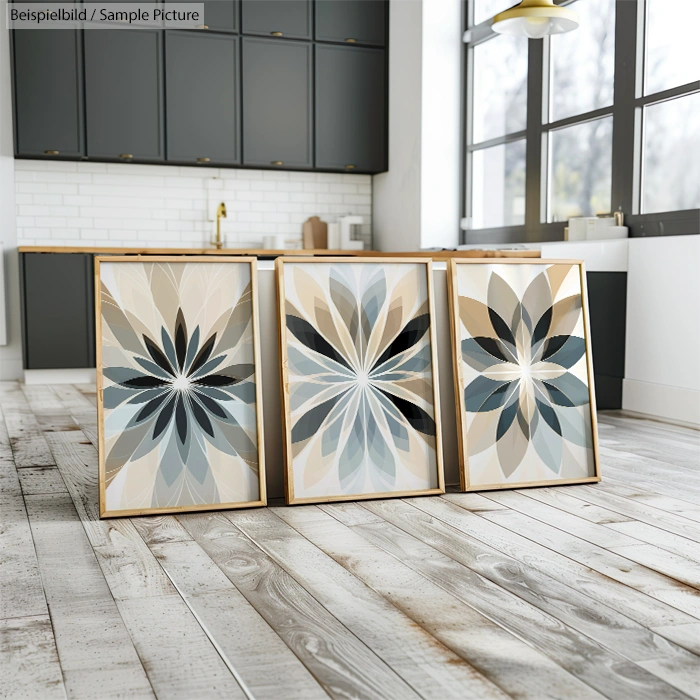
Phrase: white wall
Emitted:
{"points": [[125, 204], [662, 358], [416, 203], [10, 354]]}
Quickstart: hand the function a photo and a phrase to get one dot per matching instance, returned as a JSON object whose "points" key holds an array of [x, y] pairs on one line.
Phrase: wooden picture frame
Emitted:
{"points": [[323, 301], [218, 460], [458, 332]]}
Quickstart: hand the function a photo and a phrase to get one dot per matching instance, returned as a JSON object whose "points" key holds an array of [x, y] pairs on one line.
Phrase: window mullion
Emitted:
{"points": [[533, 152], [626, 143]]}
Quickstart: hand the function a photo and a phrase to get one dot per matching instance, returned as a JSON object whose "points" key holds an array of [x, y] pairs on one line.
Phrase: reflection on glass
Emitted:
{"points": [[500, 87], [485, 9], [671, 156], [583, 62], [498, 186], [673, 50], [580, 168]]}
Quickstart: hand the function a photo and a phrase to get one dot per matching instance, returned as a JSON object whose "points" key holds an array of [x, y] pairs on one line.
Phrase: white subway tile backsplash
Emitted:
{"points": [[122, 205]]}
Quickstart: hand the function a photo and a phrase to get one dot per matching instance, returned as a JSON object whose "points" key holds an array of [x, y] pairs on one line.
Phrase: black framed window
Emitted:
{"points": [[602, 119]]}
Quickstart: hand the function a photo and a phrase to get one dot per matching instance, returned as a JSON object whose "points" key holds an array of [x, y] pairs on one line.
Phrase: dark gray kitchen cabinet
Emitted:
{"points": [[124, 94], [351, 21], [58, 309], [279, 18], [351, 108], [48, 92], [221, 15], [277, 103], [203, 106]]}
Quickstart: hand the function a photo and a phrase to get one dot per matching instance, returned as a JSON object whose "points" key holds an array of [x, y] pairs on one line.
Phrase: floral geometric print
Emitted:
{"points": [[360, 379], [179, 389], [524, 369]]}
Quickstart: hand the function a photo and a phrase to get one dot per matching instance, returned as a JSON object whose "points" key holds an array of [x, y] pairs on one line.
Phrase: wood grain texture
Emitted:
{"points": [[636, 605], [671, 565], [604, 629], [338, 660], [179, 658], [263, 662], [94, 647], [575, 592], [26, 438], [431, 669], [437, 255], [36, 480], [512, 665], [29, 666], [614, 566]]}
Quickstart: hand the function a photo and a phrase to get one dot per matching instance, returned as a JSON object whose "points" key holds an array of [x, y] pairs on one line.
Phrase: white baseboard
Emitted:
{"points": [[60, 376], [659, 400]]}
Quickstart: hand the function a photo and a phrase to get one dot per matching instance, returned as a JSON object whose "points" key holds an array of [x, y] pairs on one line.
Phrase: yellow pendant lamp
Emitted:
{"points": [[535, 19]]}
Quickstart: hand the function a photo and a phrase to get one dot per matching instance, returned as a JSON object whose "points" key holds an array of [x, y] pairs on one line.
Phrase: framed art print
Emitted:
{"points": [[524, 378], [359, 379], [178, 378]]}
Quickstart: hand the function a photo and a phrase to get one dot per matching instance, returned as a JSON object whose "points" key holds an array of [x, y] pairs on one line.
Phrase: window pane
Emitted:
{"points": [[580, 167], [583, 61], [500, 87], [498, 185], [673, 51], [671, 165], [485, 9]]}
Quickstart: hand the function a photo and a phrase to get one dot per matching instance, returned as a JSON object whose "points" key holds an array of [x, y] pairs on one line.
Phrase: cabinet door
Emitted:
{"points": [[48, 86], [350, 109], [58, 309], [124, 93], [221, 15], [202, 97], [277, 108], [288, 18], [352, 21]]}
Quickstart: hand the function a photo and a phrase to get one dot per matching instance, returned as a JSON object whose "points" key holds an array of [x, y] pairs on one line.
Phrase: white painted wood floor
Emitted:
{"points": [[575, 592]]}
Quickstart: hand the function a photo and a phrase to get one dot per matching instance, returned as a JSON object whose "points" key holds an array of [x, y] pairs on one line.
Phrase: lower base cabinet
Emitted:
{"points": [[58, 310]]}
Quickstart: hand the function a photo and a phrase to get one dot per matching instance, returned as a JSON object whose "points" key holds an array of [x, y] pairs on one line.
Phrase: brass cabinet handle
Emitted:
{"points": [[202, 26], [276, 162], [203, 160], [276, 33], [349, 167], [126, 156], [51, 153], [351, 41]]}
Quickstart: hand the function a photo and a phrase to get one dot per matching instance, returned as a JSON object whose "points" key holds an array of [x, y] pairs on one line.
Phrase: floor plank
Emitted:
{"points": [[94, 647], [513, 665], [29, 666], [343, 665], [572, 592], [534, 609], [26, 437], [431, 669], [260, 659], [652, 557]]}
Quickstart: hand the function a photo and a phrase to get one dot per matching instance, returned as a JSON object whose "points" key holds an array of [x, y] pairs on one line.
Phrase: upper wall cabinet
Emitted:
{"points": [[277, 103], [219, 15], [124, 94], [350, 109], [351, 21], [202, 88], [279, 18], [48, 81]]}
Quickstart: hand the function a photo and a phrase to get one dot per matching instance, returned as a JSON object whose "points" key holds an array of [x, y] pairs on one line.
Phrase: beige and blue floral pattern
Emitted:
{"points": [[179, 393], [524, 366], [360, 378]]}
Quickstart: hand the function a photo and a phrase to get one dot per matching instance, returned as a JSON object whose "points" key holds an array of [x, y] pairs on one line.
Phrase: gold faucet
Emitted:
{"points": [[220, 211]]}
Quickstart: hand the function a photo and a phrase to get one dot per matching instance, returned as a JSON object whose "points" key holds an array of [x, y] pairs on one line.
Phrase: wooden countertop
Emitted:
{"points": [[257, 252]]}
